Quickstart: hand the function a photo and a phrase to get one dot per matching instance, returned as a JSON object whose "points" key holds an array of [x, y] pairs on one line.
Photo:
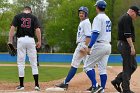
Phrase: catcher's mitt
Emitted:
{"points": [[11, 49]]}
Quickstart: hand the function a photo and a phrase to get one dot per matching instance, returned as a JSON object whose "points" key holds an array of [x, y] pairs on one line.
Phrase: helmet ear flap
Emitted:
{"points": [[86, 14]]}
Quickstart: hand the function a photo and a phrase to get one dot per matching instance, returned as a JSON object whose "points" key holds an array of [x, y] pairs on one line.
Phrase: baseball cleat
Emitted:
{"points": [[97, 89], [89, 89], [116, 86], [102, 91], [127, 91], [37, 88], [62, 85], [20, 88]]}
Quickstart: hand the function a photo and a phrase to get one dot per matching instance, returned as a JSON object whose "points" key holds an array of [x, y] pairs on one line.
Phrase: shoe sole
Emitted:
{"points": [[99, 90], [62, 88], [115, 86], [65, 88], [37, 89], [19, 89]]}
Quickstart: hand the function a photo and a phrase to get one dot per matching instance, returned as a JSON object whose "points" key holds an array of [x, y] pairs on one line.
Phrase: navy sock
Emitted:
{"points": [[103, 79], [70, 75], [91, 75]]}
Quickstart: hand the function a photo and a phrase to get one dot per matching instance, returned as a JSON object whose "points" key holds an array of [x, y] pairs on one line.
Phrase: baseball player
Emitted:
{"points": [[126, 37], [83, 38], [99, 53], [27, 26]]}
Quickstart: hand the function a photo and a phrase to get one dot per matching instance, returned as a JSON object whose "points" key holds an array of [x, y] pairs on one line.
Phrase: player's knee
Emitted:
{"points": [[86, 69], [74, 64], [102, 71]]}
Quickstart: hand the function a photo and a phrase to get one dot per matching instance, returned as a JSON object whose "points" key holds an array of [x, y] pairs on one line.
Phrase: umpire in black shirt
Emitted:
{"points": [[126, 37]]}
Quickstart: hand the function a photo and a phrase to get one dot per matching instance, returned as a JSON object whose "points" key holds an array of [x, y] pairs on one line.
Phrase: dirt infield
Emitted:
{"points": [[78, 84]]}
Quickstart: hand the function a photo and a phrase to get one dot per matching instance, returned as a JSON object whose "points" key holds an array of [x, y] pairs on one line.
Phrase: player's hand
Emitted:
{"points": [[38, 44], [133, 52], [88, 51], [83, 49]]}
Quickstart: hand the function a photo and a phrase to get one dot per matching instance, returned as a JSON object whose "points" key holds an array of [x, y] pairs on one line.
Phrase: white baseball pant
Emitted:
{"points": [[99, 54], [77, 57], [26, 44]]}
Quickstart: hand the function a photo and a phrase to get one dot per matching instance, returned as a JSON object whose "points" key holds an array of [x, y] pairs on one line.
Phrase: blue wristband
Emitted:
{"points": [[93, 39]]}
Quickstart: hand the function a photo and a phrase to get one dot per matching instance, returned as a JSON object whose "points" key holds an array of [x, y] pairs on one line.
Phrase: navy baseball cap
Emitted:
{"points": [[101, 4], [27, 7], [136, 9]]}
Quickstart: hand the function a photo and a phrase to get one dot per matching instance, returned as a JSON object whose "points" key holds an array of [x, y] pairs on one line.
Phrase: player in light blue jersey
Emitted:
{"points": [[82, 41], [99, 53]]}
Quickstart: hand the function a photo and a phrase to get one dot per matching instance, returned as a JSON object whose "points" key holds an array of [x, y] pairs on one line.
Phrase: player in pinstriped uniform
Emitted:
{"points": [[99, 53], [83, 38]]}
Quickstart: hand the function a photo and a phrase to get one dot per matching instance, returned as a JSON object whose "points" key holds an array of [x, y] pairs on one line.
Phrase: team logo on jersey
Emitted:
{"points": [[79, 28]]}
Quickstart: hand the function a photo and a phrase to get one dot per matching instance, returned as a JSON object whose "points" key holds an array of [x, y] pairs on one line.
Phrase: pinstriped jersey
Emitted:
{"points": [[84, 30], [102, 25]]}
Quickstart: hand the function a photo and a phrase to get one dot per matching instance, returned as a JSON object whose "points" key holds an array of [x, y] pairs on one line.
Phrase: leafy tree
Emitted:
{"points": [[121, 7], [59, 20], [63, 21], [8, 11], [5, 16]]}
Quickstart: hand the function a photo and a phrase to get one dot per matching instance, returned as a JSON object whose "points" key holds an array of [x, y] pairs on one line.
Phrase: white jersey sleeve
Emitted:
{"points": [[96, 26], [87, 29], [84, 30]]}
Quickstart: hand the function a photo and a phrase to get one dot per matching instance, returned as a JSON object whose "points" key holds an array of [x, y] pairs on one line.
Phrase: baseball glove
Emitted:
{"points": [[11, 49]]}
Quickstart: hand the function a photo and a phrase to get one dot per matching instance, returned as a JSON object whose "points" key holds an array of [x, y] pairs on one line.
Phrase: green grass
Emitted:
{"points": [[10, 74], [63, 63], [117, 64], [45, 63]]}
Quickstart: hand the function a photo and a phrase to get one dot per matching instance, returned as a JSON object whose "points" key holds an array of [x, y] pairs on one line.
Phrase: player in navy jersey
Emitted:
{"points": [[27, 26]]}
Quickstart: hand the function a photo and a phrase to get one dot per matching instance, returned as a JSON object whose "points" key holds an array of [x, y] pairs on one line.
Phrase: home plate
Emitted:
{"points": [[55, 89]]}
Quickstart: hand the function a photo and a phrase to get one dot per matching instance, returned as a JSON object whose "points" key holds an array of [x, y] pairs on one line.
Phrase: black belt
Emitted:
{"points": [[24, 36], [123, 41], [102, 42], [99, 41]]}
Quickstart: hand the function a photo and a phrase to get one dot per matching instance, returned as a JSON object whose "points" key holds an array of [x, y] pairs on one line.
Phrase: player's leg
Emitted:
{"points": [[74, 65], [118, 79], [76, 60], [37, 56], [32, 53], [21, 55], [102, 67], [96, 55], [89, 69]]}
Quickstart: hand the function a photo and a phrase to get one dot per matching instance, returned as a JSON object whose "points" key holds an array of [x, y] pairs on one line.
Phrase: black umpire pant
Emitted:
{"points": [[129, 66]]}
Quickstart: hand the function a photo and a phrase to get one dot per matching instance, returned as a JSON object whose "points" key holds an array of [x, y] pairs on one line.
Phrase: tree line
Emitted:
{"points": [[59, 21]]}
